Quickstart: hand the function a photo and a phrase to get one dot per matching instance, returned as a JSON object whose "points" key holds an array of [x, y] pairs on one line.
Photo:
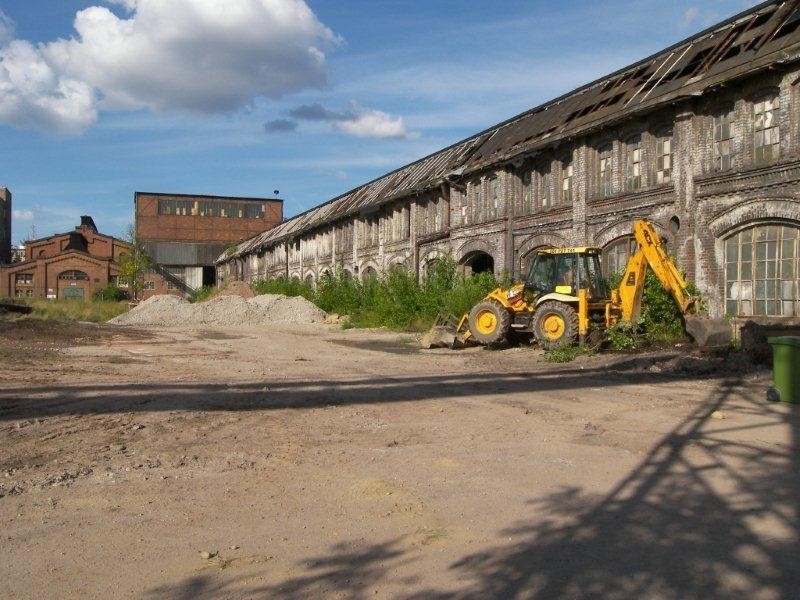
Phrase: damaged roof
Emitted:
{"points": [[744, 44]]}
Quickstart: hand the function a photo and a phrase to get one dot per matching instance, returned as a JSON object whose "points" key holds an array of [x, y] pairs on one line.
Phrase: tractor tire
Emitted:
{"points": [[489, 322], [555, 324]]}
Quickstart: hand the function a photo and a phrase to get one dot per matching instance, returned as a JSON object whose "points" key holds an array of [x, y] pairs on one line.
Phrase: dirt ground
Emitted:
{"points": [[316, 462]]}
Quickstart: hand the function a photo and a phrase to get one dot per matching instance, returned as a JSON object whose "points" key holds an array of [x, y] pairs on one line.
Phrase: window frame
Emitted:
{"points": [[634, 161]]}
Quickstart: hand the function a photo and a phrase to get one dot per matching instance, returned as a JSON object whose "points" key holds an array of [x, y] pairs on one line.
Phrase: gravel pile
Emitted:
{"points": [[228, 311]]}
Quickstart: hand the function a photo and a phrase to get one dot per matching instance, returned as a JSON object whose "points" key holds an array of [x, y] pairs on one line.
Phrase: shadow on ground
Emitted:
{"points": [[704, 515]]}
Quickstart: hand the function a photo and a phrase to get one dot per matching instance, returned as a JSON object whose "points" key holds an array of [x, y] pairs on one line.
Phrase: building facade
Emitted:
{"points": [[5, 226], [184, 234], [702, 138], [70, 265]]}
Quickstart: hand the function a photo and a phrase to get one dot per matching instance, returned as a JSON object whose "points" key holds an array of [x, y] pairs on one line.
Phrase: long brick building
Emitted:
{"points": [[702, 138]]}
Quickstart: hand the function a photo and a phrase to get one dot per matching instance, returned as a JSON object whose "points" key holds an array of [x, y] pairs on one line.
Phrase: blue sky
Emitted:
{"points": [[311, 100]]}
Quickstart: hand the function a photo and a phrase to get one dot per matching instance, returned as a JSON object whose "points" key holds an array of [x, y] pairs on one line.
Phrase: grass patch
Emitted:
{"points": [[73, 310]]}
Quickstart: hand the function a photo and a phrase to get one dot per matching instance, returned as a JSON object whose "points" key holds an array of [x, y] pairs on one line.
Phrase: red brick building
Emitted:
{"points": [[185, 234], [65, 265]]}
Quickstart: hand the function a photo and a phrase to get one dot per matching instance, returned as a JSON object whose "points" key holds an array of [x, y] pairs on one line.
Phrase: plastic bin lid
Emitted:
{"points": [[786, 340]]}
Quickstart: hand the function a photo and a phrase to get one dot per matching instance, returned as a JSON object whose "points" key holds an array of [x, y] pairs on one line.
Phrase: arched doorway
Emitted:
{"points": [[477, 262], [368, 272]]}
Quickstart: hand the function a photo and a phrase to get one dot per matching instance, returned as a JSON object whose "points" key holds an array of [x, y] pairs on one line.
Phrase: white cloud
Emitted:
{"points": [[23, 215], [33, 95], [374, 124], [185, 55], [356, 120]]}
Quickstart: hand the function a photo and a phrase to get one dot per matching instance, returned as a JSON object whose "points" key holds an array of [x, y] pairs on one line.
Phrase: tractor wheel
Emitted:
{"points": [[555, 324], [489, 322]]}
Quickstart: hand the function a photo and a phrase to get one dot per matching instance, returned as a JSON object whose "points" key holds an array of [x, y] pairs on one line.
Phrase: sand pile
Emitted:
{"points": [[229, 311]]}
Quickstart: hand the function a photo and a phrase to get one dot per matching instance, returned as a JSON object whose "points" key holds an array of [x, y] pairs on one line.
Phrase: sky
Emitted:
{"points": [[100, 98]]}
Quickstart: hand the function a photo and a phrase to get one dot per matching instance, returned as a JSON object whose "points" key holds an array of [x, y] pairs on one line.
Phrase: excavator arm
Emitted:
{"points": [[650, 252]]}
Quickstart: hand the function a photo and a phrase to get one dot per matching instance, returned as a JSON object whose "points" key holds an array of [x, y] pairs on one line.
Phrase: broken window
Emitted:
{"points": [[566, 180], [762, 269], [477, 200], [24, 278], [606, 183], [616, 254], [493, 197], [633, 161], [766, 141], [664, 156], [545, 187], [723, 140], [527, 192]]}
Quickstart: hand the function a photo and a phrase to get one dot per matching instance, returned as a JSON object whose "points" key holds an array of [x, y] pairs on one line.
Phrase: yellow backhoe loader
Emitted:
{"points": [[564, 299]]}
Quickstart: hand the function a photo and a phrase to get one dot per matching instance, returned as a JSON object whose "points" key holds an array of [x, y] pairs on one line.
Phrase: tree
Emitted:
{"points": [[134, 264]]}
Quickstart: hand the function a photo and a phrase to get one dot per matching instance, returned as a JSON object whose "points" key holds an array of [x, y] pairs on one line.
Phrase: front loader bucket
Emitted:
{"points": [[707, 332], [439, 336], [447, 332]]}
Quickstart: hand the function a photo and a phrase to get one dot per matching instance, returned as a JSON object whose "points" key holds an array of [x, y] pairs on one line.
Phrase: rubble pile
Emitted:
{"points": [[230, 311]]}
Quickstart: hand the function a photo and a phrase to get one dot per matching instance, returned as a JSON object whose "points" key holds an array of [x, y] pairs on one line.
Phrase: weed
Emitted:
{"points": [[566, 353], [625, 336]]}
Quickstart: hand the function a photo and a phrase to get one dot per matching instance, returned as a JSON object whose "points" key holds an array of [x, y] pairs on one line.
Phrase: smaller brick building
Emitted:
{"points": [[65, 265], [185, 233]]}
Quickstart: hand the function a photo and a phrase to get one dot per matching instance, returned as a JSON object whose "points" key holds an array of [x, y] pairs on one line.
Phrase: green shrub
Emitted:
{"points": [[397, 299], [202, 293], [660, 319], [110, 293]]}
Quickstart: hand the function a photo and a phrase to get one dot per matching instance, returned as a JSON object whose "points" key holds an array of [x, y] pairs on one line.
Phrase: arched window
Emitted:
{"points": [[664, 156], [73, 276], [616, 254], [761, 271], [633, 163], [766, 141]]}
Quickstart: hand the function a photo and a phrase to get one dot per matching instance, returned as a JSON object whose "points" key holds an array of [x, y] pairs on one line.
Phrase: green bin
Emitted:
{"points": [[786, 369]]}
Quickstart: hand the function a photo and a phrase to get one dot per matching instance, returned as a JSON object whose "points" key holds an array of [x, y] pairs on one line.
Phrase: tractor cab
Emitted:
{"points": [[564, 271]]}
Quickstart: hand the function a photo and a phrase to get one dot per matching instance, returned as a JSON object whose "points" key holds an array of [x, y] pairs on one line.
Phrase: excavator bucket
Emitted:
{"points": [[707, 332], [447, 332]]}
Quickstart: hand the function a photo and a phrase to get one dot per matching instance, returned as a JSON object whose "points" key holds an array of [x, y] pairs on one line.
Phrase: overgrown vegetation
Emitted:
{"points": [[110, 293], [397, 300], [73, 310]]}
